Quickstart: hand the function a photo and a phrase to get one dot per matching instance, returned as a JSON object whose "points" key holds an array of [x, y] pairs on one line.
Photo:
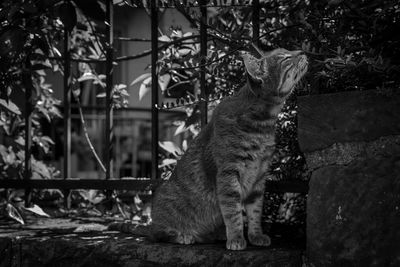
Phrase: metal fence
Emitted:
{"points": [[110, 182]]}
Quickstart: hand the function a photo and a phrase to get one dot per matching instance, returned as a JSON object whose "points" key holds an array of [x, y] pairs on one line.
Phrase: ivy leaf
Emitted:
{"points": [[38, 211], [13, 213]]}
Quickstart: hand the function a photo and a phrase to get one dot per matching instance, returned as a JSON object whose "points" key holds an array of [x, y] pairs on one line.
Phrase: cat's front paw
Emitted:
{"points": [[259, 240], [238, 243], [185, 239]]}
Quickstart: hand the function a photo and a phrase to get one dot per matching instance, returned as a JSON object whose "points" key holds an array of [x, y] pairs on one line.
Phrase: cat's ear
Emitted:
{"points": [[253, 68]]}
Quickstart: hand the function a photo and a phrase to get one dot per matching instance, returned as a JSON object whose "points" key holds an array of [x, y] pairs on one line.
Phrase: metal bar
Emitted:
{"points": [[256, 22], [130, 109], [27, 80], [229, 4], [154, 90], [109, 86], [67, 115], [203, 56], [111, 184], [132, 184]]}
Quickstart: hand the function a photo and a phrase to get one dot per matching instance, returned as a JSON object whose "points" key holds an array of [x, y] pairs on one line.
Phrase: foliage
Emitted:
{"points": [[31, 37], [28, 36], [351, 46]]}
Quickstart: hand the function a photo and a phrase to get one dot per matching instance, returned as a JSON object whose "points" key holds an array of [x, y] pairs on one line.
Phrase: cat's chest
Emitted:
{"points": [[256, 168]]}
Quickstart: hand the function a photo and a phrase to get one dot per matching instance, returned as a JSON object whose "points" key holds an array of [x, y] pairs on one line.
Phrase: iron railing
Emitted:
{"points": [[111, 183]]}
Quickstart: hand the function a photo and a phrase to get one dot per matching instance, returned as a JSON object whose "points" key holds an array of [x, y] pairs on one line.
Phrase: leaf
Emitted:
{"points": [[13, 213], [184, 145], [167, 162], [20, 141], [39, 65], [38, 211], [145, 87], [163, 81], [92, 227], [138, 202], [93, 196], [184, 51], [140, 78], [87, 76], [171, 148], [47, 139], [186, 35], [41, 72], [181, 129], [40, 169], [164, 38], [120, 86], [10, 106]]}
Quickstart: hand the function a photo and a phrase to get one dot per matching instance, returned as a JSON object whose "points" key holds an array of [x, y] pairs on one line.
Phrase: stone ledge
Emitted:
{"points": [[353, 213], [38, 246]]}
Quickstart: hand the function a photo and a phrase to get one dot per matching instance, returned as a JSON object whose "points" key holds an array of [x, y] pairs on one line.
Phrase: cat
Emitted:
{"points": [[225, 166]]}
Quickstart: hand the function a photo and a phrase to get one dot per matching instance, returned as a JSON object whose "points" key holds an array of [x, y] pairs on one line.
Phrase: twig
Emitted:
{"points": [[87, 134]]}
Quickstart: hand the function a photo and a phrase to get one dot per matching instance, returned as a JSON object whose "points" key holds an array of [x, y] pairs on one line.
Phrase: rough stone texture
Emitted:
{"points": [[36, 245], [351, 142], [354, 214], [324, 120], [345, 153]]}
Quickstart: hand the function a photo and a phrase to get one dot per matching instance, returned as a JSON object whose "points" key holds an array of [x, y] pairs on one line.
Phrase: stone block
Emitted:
{"points": [[326, 119], [353, 213]]}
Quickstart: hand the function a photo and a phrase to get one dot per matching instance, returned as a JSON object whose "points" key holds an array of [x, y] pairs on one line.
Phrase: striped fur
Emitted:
{"points": [[225, 166]]}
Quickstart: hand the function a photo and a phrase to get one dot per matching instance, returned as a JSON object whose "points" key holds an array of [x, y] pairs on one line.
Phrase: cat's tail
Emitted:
{"points": [[151, 231], [128, 228]]}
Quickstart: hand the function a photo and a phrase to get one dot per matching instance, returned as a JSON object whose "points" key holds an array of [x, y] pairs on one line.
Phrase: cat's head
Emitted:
{"points": [[276, 72]]}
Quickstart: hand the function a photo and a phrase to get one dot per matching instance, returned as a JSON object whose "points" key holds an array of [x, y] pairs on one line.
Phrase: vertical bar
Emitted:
{"points": [[67, 116], [256, 22], [154, 90], [203, 61], [27, 80], [109, 86]]}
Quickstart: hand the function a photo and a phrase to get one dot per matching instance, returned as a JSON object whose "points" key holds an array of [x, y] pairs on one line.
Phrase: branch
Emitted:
{"points": [[87, 135]]}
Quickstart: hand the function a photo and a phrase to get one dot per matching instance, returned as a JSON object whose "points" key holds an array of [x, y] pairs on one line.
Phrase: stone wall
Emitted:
{"points": [[352, 145]]}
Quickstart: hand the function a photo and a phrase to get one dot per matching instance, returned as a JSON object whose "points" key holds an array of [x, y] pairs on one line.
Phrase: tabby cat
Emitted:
{"points": [[225, 166]]}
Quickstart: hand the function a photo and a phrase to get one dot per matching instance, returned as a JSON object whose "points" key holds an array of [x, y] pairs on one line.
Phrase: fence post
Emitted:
{"points": [[27, 81], [154, 90], [203, 61], [109, 87], [256, 22], [67, 116]]}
